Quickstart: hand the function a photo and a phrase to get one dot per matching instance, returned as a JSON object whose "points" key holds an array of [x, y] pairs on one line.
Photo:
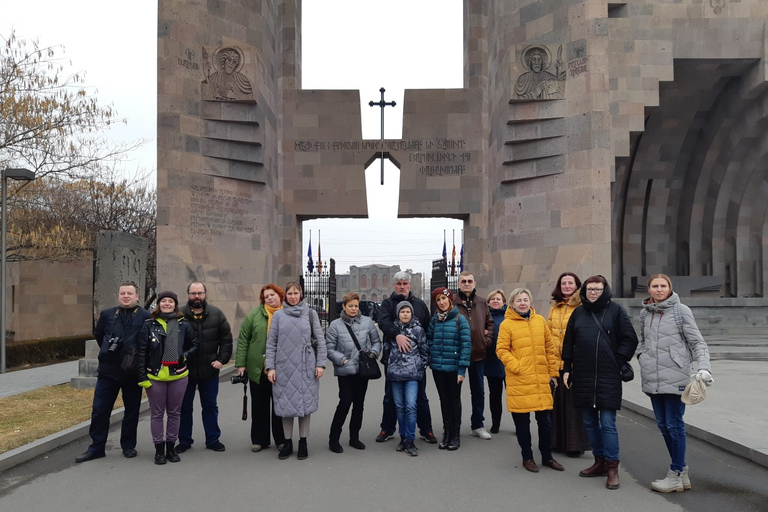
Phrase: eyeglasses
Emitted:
{"points": [[594, 290], [195, 294], [467, 281]]}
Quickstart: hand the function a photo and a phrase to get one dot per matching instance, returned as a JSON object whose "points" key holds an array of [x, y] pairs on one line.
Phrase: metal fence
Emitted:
{"points": [[320, 291]]}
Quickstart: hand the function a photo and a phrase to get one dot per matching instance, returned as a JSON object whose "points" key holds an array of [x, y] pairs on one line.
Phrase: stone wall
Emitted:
{"points": [[49, 299]]}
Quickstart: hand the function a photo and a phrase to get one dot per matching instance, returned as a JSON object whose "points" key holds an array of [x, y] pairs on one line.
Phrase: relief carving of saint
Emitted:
{"points": [[226, 83], [538, 83]]}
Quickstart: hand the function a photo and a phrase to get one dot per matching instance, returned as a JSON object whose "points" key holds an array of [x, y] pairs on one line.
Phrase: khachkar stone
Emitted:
{"points": [[120, 258]]}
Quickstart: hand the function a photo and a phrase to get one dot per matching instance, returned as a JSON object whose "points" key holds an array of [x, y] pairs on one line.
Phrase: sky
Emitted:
{"points": [[347, 44]]}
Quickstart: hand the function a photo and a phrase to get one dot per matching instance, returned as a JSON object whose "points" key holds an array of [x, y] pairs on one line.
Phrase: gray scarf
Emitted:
{"points": [[171, 347]]}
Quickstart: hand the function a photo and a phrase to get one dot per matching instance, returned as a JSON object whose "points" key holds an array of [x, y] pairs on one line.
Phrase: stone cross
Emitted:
{"points": [[382, 104]]}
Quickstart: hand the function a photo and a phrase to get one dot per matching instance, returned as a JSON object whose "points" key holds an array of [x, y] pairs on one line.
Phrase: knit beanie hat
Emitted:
{"points": [[442, 291], [403, 304], [163, 295]]}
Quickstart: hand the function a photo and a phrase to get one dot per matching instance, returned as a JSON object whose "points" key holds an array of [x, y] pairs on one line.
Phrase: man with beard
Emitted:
{"points": [[215, 338], [387, 316], [475, 310], [116, 334]]}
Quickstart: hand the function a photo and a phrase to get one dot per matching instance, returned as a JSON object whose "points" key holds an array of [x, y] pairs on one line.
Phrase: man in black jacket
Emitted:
{"points": [[215, 350], [387, 316], [117, 333]]}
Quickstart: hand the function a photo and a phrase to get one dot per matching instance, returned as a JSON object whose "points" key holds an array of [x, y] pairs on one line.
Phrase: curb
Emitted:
{"points": [[31, 450], [756, 456]]}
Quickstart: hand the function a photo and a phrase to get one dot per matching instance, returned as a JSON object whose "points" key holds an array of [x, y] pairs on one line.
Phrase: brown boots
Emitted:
{"points": [[603, 467], [613, 474], [599, 468]]}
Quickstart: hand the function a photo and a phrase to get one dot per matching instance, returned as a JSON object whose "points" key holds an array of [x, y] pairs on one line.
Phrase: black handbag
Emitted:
{"points": [[627, 373], [367, 367]]}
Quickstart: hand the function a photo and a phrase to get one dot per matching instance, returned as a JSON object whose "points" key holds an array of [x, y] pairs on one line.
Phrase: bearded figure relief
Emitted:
{"points": [[223, 79], [538, 82]]}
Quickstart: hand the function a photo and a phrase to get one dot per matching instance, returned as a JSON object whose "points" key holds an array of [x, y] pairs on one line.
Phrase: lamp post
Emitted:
{"points": [[19, 175]]}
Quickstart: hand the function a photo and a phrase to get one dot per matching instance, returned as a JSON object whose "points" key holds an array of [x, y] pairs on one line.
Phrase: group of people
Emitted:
{"points": [[172, 352], [567, 369]]}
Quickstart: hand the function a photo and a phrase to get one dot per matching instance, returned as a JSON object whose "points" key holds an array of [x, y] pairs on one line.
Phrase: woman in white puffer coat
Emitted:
{"points": [[670, 342]]}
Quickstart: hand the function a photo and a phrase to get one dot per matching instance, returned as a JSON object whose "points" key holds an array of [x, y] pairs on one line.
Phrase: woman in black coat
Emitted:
{"points": [[592, 368]]}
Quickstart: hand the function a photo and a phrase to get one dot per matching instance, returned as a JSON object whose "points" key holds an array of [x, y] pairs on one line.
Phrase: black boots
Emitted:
{"points": [[454, 442], [446, 436], [287, 450], [335, 445], [160, 453], [302, 453], [170, 452]]}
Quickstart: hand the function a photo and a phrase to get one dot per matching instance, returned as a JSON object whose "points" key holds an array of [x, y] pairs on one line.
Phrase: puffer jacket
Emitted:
{"points": [[402, 366], [252, 343], [526, 349], [476, 311], [595, 376], [290, 353], [666, 358], [493, 367], [340, 345], [557, 321], [151, 348], [450, 343], [215, 337]]}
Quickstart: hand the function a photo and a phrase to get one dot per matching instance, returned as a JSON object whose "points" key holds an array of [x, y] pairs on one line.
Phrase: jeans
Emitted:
{"points": [[165, 398], [405, 393], [523, 432], [263, 413], [104, 397], [477, 392], [352, 389], [209, 390], [669, 410], [602, 433], [423, 416], [449, 390]]}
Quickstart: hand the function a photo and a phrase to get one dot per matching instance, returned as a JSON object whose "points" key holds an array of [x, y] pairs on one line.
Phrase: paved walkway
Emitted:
{"points": [[732, 417]]}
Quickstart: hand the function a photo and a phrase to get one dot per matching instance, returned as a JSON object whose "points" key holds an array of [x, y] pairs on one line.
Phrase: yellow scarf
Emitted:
{"points": [[270, 311]]}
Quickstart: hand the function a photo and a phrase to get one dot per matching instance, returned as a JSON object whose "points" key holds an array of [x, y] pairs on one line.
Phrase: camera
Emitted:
{"points": [[114, 344], [239, 379]]}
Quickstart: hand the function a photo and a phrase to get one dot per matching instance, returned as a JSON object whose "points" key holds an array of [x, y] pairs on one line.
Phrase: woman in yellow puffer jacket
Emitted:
{"points": [[568, 432], [526, 349]]}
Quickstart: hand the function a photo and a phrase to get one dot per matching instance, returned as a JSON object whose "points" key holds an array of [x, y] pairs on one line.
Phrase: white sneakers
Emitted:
{"points": [[673, 482], [481, 433]]}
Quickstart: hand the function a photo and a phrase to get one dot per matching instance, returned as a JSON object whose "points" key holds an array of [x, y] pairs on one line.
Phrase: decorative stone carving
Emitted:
{"points": [[223, 79], [543, 78]]}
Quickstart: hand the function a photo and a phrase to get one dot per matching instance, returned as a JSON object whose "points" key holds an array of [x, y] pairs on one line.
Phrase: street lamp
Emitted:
{"points": [[19, 175]]}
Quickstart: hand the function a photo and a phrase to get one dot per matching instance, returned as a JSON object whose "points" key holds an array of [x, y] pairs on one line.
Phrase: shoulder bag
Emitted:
{"points": [[627, 373], [367, 367]]}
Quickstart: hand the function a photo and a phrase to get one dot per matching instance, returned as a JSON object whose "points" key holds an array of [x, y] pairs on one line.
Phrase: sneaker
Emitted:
{"points": [[411, 449], [481, 433], [429, 437], [401, 445], [384, 436], [672, 483], [181, 448], [254, 448]]}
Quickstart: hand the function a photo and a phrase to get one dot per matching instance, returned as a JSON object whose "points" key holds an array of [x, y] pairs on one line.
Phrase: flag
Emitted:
{"points": [[453, 261], [461, 259], [319, 259], [445, 255], [310, 264]]}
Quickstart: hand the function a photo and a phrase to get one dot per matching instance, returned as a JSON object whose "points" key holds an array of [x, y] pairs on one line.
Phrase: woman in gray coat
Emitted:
{"points": [[345, 355], [670, 342], [295, 362]]}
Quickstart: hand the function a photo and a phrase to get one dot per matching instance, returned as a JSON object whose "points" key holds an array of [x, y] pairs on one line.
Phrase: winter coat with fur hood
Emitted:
{"points": [[665, 357]]}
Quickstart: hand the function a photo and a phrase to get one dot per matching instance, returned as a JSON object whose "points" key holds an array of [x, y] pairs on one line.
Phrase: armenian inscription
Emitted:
{"points": [[226, 211], [438, 157]]}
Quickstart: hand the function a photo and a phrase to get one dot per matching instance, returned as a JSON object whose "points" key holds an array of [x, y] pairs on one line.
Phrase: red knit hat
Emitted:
{"points": [[442, 291]]}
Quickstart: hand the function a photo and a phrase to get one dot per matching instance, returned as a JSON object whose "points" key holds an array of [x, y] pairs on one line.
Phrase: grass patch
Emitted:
{"points": [[33, 415]]}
